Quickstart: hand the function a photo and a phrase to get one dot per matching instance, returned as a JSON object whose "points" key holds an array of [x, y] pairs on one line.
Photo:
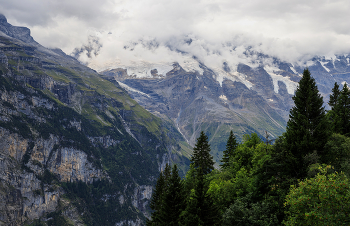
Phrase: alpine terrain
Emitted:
{"points": [[75, 149]]}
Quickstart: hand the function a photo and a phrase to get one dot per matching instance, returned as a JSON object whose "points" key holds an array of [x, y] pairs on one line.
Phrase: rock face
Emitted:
{"points": [[75, 149], [196, 102], [241, 98]]}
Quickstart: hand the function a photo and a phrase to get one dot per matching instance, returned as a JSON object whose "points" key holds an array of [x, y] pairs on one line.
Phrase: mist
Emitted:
{"points": [[108, 34]]}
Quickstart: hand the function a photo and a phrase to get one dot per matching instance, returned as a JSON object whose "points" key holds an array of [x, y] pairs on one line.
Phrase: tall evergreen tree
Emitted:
{"points": [[174, 200], [333, 114], [158, 196], [342, 112], [156, 201], [201, 154], [200, 209], [333, 98], [231, 146], [307, 128]]}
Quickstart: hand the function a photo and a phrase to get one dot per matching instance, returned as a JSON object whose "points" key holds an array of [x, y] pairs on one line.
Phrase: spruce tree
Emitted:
{"points": [[174, 200], [333, 98], [201, 154], [231, 146], [307, 128], [156, 201], [200, 209], [342, 112], [333, 114], [158, 196]]}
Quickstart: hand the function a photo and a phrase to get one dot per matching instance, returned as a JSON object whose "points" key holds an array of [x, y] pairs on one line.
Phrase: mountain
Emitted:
{"points": [[75, 149], [251, 94]]}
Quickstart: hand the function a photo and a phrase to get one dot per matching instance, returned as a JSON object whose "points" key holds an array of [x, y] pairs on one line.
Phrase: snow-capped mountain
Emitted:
{"points": [[232, 88]]}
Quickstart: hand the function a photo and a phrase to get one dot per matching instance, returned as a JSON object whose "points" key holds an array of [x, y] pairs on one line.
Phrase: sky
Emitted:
{"points": [[126, 31]]}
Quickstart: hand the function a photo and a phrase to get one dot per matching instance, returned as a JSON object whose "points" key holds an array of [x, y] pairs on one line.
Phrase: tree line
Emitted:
{"points": [[301, 179]]}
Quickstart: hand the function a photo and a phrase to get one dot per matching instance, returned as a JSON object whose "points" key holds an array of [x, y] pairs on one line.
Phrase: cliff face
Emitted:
{"points": [[236, 96], [75, 149]]}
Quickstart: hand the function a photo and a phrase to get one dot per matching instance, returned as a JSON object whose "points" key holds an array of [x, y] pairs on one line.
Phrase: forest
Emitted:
{"points": [[301, 178]]}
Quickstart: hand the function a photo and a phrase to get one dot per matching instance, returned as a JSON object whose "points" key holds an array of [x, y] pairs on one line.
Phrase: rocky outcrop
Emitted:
{"points": [[21, 33], [72, 165], [23, 196], [141, 197], [74, 147]]}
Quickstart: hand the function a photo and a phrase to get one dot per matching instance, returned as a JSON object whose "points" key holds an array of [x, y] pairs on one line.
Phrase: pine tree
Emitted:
{"points": [[158, 196], [200, 210], [231, 146], [307, 128], [342, 112], [167, 175], [333, 114], [156, 201], [201, 154], [174, 200], [333, 98]]}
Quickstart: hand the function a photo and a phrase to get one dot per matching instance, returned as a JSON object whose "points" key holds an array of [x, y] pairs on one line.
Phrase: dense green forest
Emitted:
{"points": [[299, 179]]}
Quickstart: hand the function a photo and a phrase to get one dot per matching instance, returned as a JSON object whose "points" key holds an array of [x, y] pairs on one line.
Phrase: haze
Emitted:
{"points": [[164, 31]]}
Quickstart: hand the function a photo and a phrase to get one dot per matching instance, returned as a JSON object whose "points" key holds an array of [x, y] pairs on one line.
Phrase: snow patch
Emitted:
{"points": [[291, 86], [233, 76], [191, 65], [323, 63], [223, 97], [294, 71], [132, 89], [330, 57], [142, 69]]}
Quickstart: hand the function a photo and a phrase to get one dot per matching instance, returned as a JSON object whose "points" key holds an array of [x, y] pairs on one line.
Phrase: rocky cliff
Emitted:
{"points": [[75, 149], [245, 98]]}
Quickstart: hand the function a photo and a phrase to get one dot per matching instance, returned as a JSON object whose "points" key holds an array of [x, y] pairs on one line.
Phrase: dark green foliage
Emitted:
{"points": [[157, 201], [244, 213], [47, 177], [338, 153], [173, 201], [168, 198], [230, 149], [200, 209], [307, 128], [333, 98], [201, 157], [341, 112], [37, 223], [56, 219]]}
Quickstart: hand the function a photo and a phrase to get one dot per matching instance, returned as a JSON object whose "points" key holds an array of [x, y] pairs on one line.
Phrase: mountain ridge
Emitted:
{"points": [[76, 149]]}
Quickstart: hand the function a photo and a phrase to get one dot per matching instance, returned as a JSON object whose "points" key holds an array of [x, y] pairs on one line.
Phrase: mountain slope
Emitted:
{"points": [[75, 148], [243, 97]]}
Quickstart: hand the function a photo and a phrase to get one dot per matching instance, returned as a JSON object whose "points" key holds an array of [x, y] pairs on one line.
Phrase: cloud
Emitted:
{"points": [[158, 30]]}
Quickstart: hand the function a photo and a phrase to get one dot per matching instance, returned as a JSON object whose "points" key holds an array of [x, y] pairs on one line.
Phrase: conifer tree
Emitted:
{"points": [[333, 113], [231, 146], [157, 201], [158, 196], [333, 98], [307, 128], [342, 112], [200, 210], [174, 200], [201, 154]]}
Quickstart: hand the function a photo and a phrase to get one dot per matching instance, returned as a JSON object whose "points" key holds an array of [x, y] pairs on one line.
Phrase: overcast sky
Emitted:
{"points": [[289, 29]]}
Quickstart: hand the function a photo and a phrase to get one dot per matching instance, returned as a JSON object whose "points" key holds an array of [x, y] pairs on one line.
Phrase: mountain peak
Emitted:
{"points": [[3, 18]]}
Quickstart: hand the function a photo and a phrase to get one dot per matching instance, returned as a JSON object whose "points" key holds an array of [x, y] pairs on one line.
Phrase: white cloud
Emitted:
{"points": [[288, 29]]}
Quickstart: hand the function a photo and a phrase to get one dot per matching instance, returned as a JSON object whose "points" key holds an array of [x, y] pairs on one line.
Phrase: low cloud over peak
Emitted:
{"points": [[157, 30]]}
